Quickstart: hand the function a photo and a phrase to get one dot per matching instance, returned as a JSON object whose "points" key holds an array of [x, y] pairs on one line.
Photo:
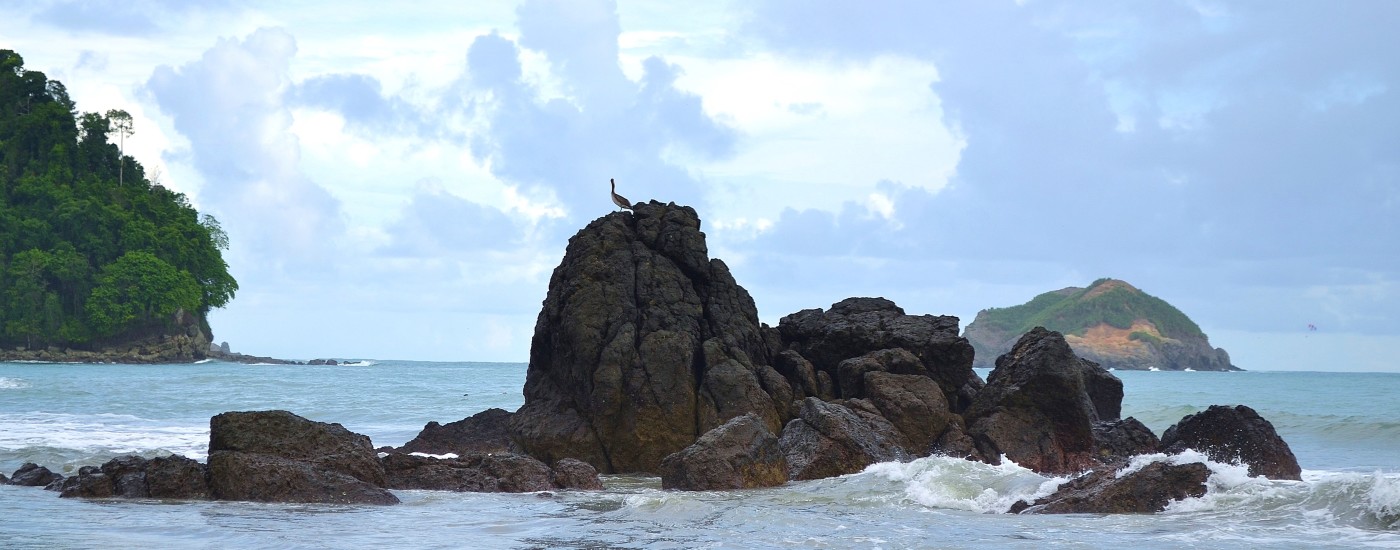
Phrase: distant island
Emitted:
{"points": [[98, 261], [1111, 322]]}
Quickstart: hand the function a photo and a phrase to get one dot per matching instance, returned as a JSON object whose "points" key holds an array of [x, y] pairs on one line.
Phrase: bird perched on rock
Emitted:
{"points": [[619, 199]]}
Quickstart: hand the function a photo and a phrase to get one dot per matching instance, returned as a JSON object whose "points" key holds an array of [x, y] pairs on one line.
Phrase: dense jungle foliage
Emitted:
{"points": [[92, 252]]}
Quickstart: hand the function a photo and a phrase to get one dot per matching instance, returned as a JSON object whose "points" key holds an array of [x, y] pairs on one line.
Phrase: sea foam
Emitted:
{"points": [[12, 383]]}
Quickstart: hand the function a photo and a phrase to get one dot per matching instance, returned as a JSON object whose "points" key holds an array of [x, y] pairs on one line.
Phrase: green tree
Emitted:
{"points": [[121, 124], [139, 290]]}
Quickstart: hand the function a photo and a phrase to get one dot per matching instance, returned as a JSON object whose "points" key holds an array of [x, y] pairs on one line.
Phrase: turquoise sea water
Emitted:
{"points": [[1344, 428]]}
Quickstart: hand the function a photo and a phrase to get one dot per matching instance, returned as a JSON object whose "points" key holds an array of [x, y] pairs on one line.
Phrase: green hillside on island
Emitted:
{"points": [[94, 252], [1110, 322]]}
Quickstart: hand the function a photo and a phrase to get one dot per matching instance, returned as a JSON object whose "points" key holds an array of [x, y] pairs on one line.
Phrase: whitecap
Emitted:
{"points": [[102, 434], [954, 483], [13, 383], [439, 457]]}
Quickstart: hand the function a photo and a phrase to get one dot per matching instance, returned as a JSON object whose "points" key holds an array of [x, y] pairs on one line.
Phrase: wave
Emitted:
{"points": [[97, 437], [361, 363], [13, 383]]}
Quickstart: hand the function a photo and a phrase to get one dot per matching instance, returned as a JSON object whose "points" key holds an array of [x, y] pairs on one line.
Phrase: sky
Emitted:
{"points": [[399, 181]]}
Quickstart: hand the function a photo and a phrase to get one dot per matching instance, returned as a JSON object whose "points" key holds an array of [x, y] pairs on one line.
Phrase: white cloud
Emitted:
{"points": [[819, 133]]}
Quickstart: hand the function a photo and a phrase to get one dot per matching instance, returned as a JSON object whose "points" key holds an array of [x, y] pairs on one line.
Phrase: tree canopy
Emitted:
{"points": [[91, 251]]}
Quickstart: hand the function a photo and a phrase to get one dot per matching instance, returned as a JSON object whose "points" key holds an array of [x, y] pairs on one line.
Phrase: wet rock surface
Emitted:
{"points": [[1102, 491], [739, 454], [277, 456], [1235, 434]]}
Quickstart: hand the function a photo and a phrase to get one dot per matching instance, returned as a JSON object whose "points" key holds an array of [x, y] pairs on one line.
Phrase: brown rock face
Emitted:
{"points": [[277, 456], [1040, 404], [1227, 434], [740, 454], [832, 439], [643, 343], [1145, 491]]}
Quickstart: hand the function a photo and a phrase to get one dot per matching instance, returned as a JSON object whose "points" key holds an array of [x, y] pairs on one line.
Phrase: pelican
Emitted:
{"points": [[619, 199]]}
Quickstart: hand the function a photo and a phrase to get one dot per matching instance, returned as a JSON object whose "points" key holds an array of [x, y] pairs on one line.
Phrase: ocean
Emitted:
{"points": [[1344, 428]]}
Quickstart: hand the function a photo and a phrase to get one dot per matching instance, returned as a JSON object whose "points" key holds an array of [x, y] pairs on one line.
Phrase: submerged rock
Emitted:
{"points": [[740, 454], [642, 344], [1040, 404], [572, 473], [476, 473], [172, 477], [30, 474], [485, 432], [1102, 491], [277, 456], [1230, 434]]}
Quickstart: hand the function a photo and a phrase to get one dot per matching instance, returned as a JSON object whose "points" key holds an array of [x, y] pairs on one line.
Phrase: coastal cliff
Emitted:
{"points": [[1111, 323]]}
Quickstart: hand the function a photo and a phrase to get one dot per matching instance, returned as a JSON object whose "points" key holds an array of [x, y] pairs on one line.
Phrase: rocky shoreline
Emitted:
{"points": [[649, 358]]}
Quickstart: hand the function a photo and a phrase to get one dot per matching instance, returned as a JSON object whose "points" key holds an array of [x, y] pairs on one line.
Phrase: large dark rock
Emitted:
{"points": [[739, 454], [30, 474], [855, 327], [476, 472], [1040, 404], [1144, 491], [914, 404], [1229, 434], [642, 344], [832, 439], [277, 456], [572, 473], [172, 477], [485, 432], [1118, 440]]}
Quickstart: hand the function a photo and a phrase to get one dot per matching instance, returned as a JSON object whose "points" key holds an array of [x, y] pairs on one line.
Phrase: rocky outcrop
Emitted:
{"points": [[30, 474], [183, 340], [832, 439], [1110, 323], [485, 432], [1117, 440], [1235, 434], [277, 456], [572, 473], [643, 344], [1104, 491], [172, 477], [1040, 404], [476, 472], [855, 327], [739, 454]]}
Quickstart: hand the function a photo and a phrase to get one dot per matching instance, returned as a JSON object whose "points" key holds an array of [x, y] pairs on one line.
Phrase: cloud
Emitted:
{"points": [[230, 105], [603, 126], [117, 17], [1236, 155], [436, 222]]}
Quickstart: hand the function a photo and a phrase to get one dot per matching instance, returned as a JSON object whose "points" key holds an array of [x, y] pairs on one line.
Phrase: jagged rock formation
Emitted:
{"points": [[643, 344], [1110, 323], [1040, 406]]}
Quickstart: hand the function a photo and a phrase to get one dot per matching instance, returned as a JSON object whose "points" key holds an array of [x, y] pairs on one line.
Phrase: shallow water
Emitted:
{"points": [[1342, 427]]}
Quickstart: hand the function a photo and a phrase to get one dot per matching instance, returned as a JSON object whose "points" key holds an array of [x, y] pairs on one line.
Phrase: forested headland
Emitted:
{"points": [[94, 252]]}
